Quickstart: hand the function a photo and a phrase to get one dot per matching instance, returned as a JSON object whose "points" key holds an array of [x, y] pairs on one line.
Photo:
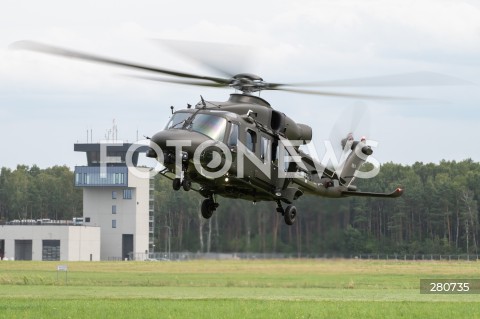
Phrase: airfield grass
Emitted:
{"points": [[304, 288]]}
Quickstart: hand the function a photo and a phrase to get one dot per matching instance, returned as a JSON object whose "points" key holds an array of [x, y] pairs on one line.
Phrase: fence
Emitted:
{"points": [[232, 256]]}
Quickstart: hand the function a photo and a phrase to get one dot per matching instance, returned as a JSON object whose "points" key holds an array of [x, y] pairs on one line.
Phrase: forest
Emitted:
{"points": [[438, 213], [34, 193]]}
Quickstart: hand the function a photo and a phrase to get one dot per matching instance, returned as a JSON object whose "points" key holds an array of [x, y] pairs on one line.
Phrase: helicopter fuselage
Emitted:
{"points": [[249, 130], [243, 148]]}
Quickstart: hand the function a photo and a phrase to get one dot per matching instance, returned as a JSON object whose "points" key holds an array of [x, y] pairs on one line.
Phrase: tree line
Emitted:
{"points": [[34, 193], [438, 213]]}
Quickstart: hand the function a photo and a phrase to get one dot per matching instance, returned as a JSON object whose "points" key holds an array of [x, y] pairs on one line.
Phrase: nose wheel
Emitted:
{"points": [[186, 184], [178, 183]]}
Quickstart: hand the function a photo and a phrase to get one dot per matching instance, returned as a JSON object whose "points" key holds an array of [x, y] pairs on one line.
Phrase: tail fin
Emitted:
{"points": [[358, 156]]}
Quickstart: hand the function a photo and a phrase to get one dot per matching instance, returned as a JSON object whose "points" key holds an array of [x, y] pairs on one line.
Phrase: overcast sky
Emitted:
{"points": [[47, 104]]}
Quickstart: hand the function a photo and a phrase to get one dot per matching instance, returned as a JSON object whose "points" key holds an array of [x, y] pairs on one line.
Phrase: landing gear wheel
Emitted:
{"points": [[208, 206], [176, 184], [290, 214], [187, 185]]}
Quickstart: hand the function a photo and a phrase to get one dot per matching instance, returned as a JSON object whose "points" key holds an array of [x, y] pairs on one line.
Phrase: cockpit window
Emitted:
{"points": [[177, 120], [210, 125]]}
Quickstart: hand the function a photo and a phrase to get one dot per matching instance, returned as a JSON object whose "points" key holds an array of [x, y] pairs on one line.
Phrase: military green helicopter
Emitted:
{"points": [[243, 147]]}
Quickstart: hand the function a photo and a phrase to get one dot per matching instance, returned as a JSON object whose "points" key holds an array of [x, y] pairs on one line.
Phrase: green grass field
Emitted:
{"points": [[233, 289]]}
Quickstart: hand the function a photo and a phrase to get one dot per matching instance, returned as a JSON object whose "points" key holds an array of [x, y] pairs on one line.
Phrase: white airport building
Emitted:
{"points": [[117, 220], [50, 242]]}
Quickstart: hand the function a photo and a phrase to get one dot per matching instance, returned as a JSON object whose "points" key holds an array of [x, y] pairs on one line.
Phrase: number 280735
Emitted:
{"points": [[449, 286]]}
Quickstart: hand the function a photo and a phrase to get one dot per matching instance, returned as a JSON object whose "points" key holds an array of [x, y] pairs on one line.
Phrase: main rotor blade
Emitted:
{"points": [[404, 79], [59, 51], [222, 58], [186, 82], [343, 95]]}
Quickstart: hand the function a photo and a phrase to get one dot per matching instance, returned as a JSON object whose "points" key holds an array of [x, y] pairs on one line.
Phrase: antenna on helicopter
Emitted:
{"points": [[189, 106], [171, 108], [203, 102]]}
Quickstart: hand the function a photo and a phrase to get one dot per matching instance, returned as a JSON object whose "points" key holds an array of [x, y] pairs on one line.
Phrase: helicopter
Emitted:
{"points": [[244, 148]]}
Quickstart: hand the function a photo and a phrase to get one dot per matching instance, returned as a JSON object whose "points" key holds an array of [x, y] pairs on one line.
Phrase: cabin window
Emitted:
{"points": [[286, 159], [275, 151], [264, 149], [233, 138], [251, 139]]}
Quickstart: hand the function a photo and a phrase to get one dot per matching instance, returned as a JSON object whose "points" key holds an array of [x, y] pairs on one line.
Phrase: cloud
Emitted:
{"points": [[292, 41]]}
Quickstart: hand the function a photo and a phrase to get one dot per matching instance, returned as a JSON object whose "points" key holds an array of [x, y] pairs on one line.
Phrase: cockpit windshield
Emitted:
{"points": [[177, 120], [210, 125]]}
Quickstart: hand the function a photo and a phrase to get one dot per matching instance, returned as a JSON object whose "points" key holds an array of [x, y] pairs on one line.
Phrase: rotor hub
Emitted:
{"points": [[247, 83]]}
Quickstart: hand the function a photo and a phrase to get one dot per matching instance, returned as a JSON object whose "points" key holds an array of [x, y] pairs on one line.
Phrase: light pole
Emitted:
{"points": [[168, 240]]}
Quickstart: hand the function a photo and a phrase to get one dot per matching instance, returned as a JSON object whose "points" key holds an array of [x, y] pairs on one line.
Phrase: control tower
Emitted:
{"points": [[117, 199]]}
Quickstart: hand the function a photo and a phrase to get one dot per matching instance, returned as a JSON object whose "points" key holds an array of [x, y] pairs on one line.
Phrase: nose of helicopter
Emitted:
{"points": [[169, 140]]}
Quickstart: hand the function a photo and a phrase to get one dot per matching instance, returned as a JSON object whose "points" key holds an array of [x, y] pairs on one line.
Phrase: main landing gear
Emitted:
{"points": [[289, 213], [208, 205]]}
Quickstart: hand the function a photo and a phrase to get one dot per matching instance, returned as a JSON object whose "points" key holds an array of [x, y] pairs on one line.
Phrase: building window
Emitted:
{"points": [[127, 194], [51, 250], [114, 223], [114, 209], [87, 219], [114, 195], [118, 178]]}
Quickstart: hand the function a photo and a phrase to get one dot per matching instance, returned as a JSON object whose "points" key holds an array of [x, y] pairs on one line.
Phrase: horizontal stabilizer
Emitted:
{"points": [[396, 193]]}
